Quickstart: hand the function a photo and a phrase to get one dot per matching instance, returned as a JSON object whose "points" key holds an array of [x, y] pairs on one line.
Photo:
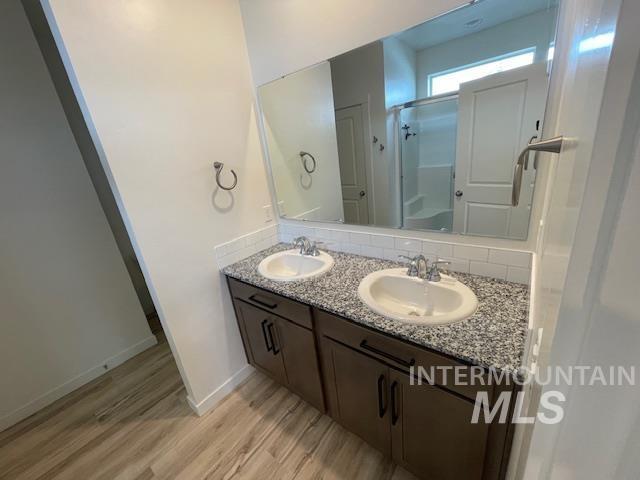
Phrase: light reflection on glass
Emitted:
{"points": [[598, 41]]}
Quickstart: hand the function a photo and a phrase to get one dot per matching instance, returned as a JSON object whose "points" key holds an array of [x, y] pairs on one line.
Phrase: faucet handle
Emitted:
{"points": [[440, 262], [302, 243], [414, 268], [434, 273], [313, 248]]}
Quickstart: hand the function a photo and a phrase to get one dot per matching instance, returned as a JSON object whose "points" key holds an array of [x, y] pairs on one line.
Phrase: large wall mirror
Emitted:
{"points": [[420, 130]]}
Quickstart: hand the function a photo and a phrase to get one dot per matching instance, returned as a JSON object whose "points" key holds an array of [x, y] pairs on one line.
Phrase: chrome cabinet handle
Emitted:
{"points": [[553, 145]]}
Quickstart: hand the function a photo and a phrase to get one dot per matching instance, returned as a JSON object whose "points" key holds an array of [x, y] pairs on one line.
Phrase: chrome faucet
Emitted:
{"points": [[303, 244], [415, 263], [313, 249], [306, 246], [434, 273]]}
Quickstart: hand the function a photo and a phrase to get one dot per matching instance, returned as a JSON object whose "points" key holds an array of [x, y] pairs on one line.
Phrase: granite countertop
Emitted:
{"points": [[493, 337]]}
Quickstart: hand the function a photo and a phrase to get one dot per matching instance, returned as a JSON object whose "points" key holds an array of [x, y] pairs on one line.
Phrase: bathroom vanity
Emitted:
{"points": [[317, 338]]}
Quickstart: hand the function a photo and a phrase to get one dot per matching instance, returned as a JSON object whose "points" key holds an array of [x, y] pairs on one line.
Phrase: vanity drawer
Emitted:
{"points": [[402, 355], [271, 302]]}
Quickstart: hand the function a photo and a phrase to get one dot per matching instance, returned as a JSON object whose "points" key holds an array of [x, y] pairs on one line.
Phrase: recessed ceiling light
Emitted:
{"points": [[473, 23]]}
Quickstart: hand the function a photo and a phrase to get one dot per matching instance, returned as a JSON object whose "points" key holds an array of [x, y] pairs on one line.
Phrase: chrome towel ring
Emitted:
{"points": [[303, 158], [553, 145], [219, 166]]}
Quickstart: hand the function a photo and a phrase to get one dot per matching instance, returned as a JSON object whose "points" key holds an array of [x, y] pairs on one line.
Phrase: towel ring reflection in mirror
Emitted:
{"points": [[219, 166], [303, 157]]}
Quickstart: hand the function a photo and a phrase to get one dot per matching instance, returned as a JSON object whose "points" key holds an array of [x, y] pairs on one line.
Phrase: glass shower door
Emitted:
{"points": [[427, 158]]}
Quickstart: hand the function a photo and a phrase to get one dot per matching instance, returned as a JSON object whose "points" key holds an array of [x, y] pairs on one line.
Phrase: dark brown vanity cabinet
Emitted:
{"points": [[425, 428], [282, 348], [359, 390], [431, 431], [261, 339]]}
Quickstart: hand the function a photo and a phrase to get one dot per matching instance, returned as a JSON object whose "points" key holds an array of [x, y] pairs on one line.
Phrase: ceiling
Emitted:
{"points": [[453, 25]]}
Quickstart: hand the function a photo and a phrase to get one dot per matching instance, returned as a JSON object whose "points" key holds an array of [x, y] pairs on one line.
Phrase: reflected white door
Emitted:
{"points": [[352, 158], [497, 116]]}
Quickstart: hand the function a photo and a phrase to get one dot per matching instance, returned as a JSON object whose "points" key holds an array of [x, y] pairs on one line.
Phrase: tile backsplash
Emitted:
{"points": [[505, 264], [511, 265], [245, 246]]}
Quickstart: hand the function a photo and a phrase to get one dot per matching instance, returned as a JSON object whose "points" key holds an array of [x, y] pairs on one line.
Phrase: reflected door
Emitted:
{"points": [[352, 158], [497, 117]]}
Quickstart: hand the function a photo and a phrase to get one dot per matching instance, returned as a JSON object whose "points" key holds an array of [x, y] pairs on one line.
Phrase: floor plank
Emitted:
{"points": [[133, 423]]}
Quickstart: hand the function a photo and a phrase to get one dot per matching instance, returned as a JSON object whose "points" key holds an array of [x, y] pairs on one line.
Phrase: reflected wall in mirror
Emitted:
{"points": [[420, 130]]}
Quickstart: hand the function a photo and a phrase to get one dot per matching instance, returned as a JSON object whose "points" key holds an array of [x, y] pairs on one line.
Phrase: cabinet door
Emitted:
{"points": [[361, 394], [432, 433], [263, 341], [300, 361]]}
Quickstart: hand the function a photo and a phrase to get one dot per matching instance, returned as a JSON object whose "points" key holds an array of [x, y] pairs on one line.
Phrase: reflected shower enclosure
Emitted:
{"points": [[427, 163]]}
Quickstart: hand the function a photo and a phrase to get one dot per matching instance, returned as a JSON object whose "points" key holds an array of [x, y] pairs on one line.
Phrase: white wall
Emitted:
{"points": [[68, 305], [298, 115], [400, 87], [535, 30], [358, 79], [166, 89], [399, 72], [578, 243], [63, 87], [288, 35], [600, 434]]}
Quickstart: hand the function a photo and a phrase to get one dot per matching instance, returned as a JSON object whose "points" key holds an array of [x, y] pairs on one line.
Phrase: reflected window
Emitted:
{"points": [[449, 81], [594, 43]]}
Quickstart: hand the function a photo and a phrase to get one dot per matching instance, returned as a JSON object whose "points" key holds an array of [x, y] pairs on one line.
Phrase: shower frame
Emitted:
{"points": [[398, 151]]}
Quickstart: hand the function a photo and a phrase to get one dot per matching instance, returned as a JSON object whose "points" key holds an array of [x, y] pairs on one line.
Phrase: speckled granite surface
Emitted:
{"points": [[493, 337]]}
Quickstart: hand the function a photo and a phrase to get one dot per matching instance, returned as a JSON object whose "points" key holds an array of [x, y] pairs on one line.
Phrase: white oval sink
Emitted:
{"points": [[289, 265], [395, 295]]}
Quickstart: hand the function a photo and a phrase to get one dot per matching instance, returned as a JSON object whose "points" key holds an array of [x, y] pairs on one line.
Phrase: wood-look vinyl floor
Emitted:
{"points": [[134, 423]]}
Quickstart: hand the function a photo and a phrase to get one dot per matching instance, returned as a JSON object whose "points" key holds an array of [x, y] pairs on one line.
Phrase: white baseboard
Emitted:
{"points": [[75, 383], [222, 391]]}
